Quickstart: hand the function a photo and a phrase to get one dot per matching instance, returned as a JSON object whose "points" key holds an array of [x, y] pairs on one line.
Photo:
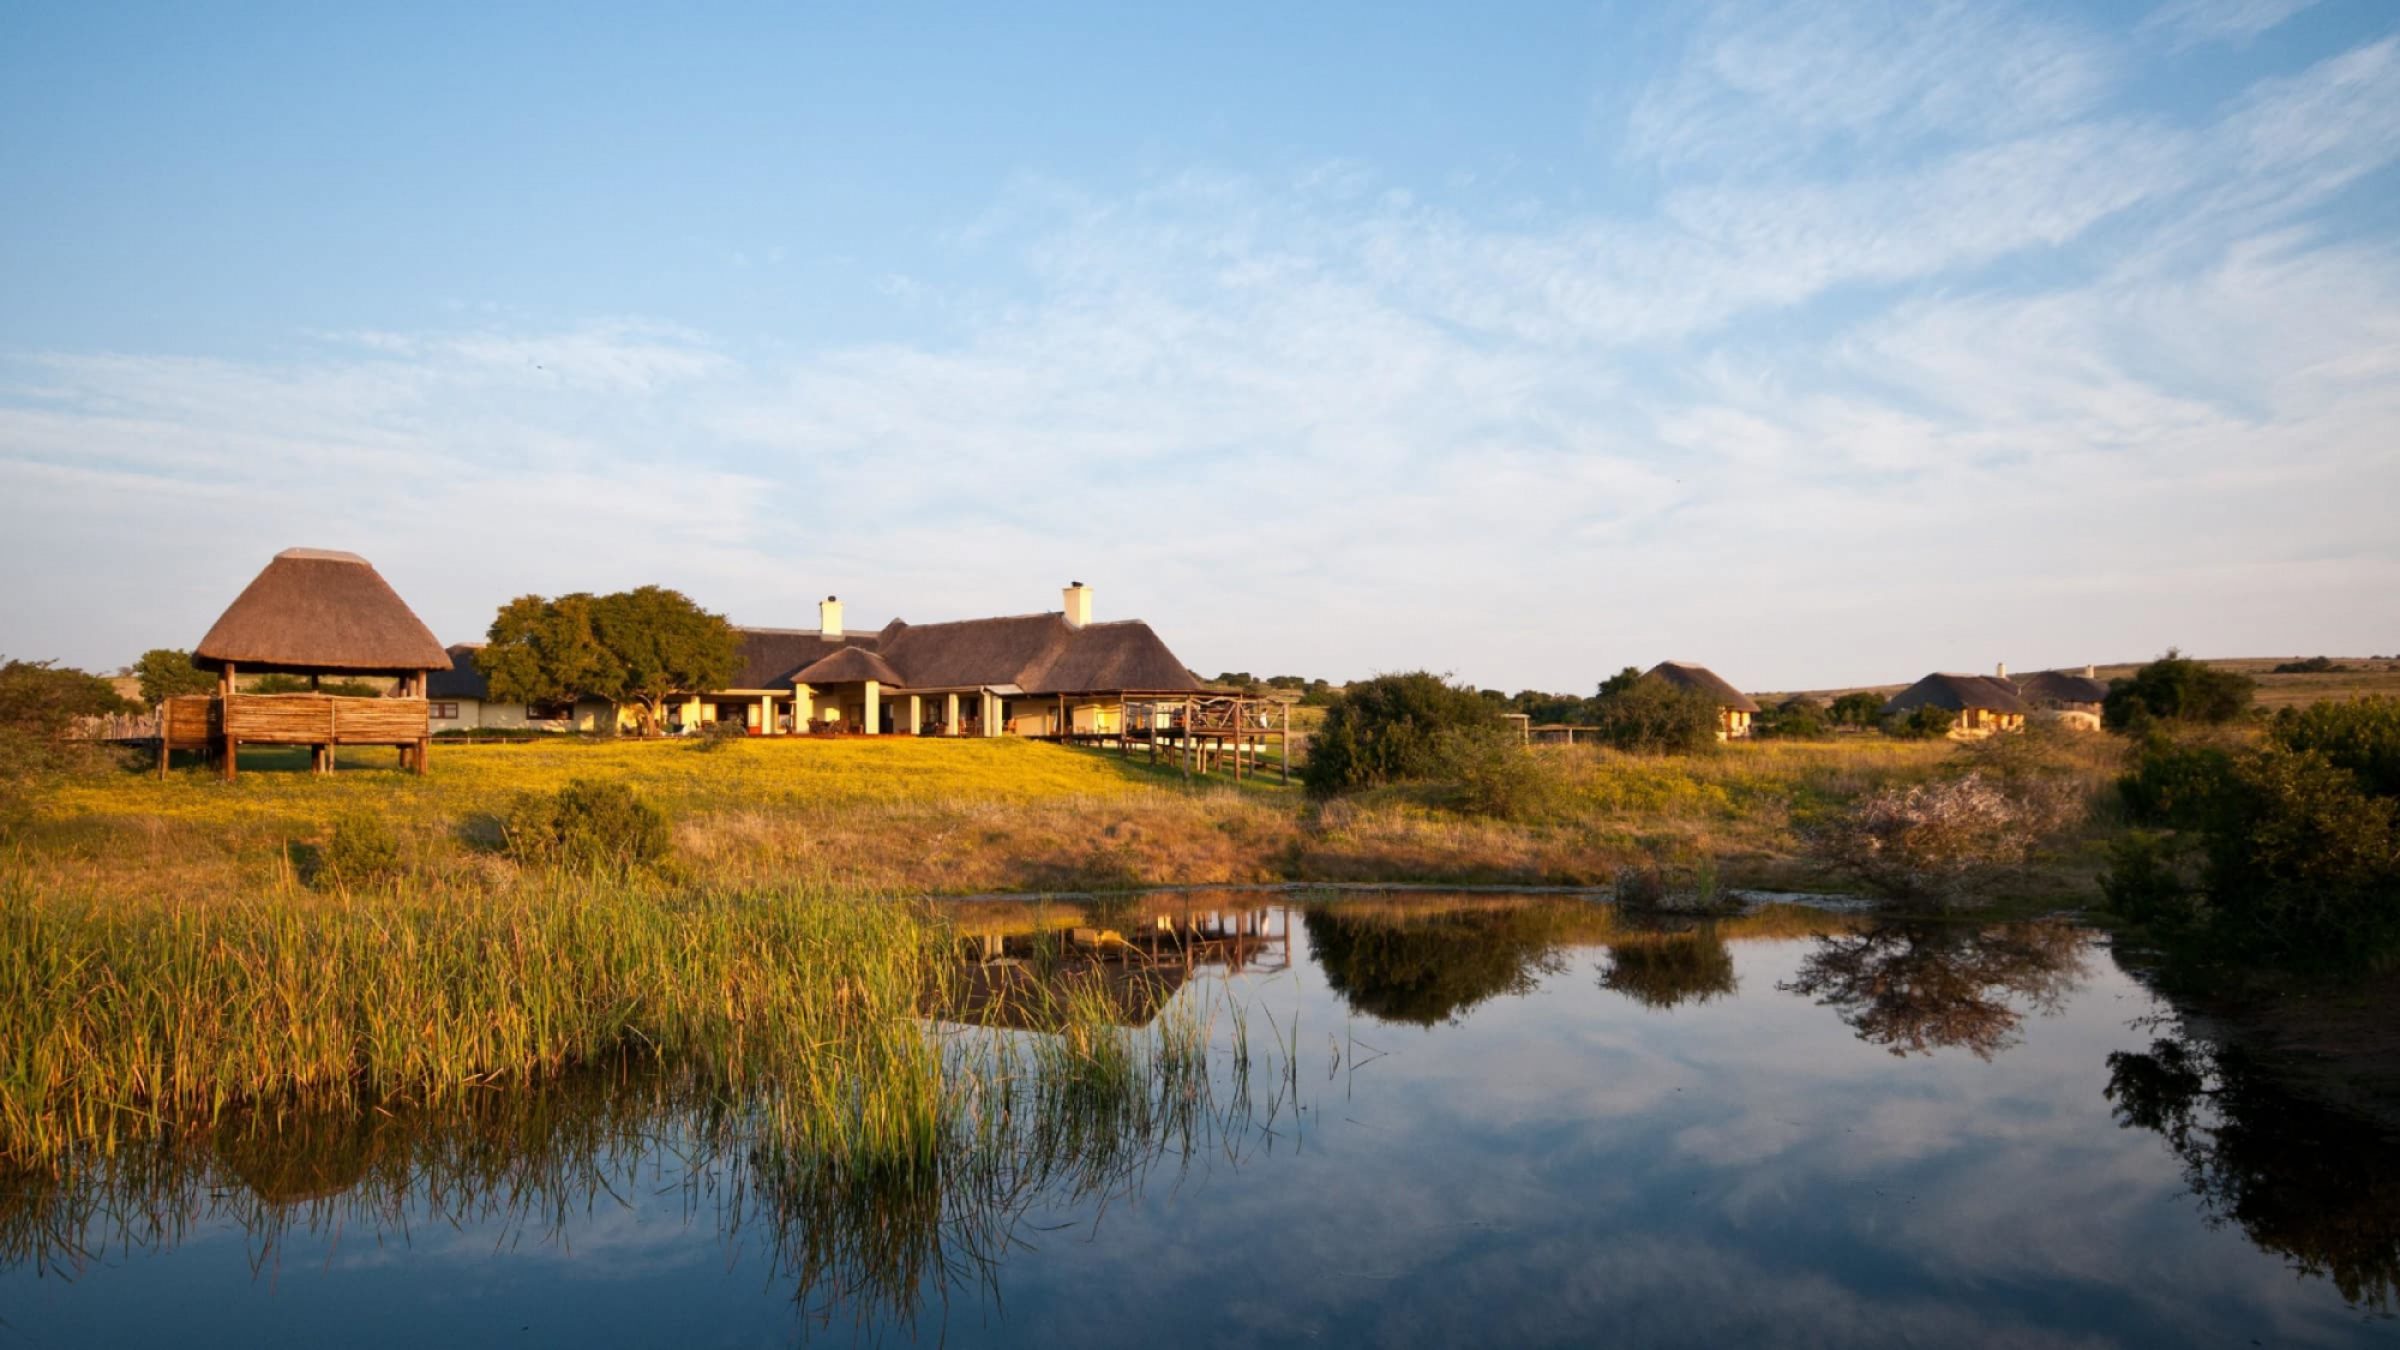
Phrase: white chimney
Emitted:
{"points": [[1079, 604], [829, 616], [2002, 670], [2091, 672]]}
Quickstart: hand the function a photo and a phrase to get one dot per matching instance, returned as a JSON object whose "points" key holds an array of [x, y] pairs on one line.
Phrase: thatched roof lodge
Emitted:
{"points": [[1983, 704], [1734, 708], [1045, 674], [312, 612]]}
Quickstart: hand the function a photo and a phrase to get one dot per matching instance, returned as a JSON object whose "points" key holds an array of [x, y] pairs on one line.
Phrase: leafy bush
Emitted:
{"points": [[2315, 665], [587, 825], [1645, 716], [2305, 860], [1862, 708], [2176, 782], [2359, 734], [40, 703], [2289, 849], [361, 850], [1794, 719], [1929, 841], [2176, 688], [716, 735], [1925, 722], [1492, 775], [1395, 729]]}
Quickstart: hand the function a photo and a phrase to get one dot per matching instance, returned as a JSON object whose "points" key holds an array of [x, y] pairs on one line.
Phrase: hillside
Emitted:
{"points": [[2367, 675]]}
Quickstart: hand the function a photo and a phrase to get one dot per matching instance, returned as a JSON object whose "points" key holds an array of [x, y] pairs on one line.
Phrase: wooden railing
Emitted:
{"points": [[326, 719]]}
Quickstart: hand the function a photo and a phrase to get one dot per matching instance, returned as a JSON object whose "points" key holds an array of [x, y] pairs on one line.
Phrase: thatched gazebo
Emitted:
{"points": [[312, 612]]}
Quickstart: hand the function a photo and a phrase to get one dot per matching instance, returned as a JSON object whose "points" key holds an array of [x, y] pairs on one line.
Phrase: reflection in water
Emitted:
{"points": [[1425, 964], [1445, 1192], [1085, 1116], [1668, 969], [1915, 988], [2298, 1176]]}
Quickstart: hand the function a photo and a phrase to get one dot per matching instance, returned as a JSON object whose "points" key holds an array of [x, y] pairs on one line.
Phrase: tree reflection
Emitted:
{"points": [[1914, 988], [1413, 965], [1667, 970], [2299, 1177]]}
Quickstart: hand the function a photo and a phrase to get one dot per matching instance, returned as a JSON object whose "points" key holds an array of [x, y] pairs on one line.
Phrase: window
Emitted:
{"points": [[442, 712]]}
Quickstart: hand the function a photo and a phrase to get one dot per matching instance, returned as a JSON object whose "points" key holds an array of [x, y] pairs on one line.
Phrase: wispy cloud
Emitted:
{"points": [[2190, 23]]}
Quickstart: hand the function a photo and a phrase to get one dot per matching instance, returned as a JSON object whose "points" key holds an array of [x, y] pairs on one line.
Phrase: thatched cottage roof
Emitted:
{"points": [[772, 658], [1702, 680], [850, 665], [1038, 653], [1957, 693], [2058, 688], [319, 610]]}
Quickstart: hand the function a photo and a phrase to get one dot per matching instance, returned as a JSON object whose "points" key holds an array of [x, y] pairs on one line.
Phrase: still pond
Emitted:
{"points": [[1421, 1119]]}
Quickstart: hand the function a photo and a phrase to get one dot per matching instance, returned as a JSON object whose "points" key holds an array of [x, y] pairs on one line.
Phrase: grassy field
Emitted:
{"points": [[932, 817]]}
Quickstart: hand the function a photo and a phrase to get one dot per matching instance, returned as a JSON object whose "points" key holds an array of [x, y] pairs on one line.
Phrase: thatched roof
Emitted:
{"points": [[1702, 680], [772, 658], [1106, 656], [319, 610], [1956, 693], [2057, 688], [850, 665], [972, 652], [462, 680], [1038, 653]]}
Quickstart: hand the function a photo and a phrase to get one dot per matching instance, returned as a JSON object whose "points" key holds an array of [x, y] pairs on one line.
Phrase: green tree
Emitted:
{"points": [[2175, 688], [665, 645], [166, 672], [1394, 728], [1795, 719], [548, 652], [1649, 716], [1860, 709]]}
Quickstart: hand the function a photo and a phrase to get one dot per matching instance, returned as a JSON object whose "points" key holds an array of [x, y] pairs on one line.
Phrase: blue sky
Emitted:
{"points": [[1822, 343]]}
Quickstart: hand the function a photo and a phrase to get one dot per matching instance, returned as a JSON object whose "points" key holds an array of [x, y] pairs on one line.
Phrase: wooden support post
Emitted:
{"points": [[1064, 727], [225, 717]]}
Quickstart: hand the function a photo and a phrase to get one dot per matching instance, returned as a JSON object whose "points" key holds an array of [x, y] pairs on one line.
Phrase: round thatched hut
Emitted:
{"points": [[1734, 708], [313, 612]]}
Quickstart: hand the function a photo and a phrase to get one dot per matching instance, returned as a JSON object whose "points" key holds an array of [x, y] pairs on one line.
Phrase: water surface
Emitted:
{"points": [[1460, 1119]]}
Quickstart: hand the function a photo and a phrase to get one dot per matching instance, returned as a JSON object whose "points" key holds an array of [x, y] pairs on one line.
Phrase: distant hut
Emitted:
{"points": [[314, 612], [1982, 704], [2063, 697], [1734, 708]]}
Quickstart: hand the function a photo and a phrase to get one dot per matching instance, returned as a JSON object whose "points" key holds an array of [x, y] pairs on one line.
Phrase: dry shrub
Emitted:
{"points": [[1930, 841], [2049, 772]]}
